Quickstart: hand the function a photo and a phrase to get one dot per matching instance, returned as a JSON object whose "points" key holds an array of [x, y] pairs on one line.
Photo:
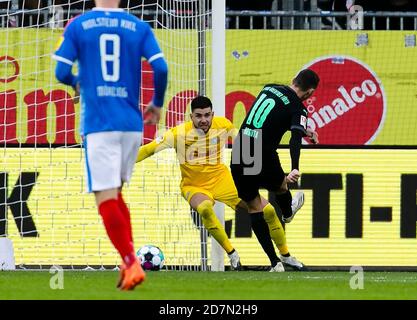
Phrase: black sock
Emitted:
{"points": [[284, 202], [261, 230]]}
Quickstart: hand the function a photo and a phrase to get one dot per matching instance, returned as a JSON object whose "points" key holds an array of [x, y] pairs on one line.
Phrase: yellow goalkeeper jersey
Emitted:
{"points": [[200, 154]]}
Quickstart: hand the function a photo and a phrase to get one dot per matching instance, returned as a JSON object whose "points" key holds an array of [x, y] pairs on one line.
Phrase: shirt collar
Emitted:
{"points": [[108, 9]]}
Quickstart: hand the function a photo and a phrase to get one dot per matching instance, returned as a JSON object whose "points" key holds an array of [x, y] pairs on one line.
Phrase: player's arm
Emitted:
{"points": [[155, 57], [65, 55], [63, 73], [160, 73], [295, 147], [157, 145], [312, 135], [298, 130]]}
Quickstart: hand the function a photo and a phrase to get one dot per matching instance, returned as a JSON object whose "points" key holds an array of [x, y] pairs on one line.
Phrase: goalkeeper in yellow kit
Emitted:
{"points": [[199, 144]]}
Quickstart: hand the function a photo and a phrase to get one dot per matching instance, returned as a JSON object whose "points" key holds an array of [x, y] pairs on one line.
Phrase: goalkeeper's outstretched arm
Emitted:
{"points": [[159, 144]]}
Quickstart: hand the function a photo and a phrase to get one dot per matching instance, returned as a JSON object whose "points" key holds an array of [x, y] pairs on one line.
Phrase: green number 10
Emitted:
{"points": [[260, 111]]}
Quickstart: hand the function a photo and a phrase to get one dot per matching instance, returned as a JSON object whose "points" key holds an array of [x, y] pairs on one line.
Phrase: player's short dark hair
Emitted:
{"points": [[306, 79], [200, 102]]}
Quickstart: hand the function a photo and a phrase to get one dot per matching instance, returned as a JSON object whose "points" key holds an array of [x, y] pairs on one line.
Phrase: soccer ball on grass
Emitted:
{"points": [[151, 257]]}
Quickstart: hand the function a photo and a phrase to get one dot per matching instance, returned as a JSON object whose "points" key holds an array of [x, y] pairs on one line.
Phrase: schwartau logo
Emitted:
{"points": [[349, 105]]}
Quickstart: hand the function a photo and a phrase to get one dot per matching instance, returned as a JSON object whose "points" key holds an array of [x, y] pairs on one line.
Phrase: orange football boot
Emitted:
{"points": [[132, 276], [122, 274]]}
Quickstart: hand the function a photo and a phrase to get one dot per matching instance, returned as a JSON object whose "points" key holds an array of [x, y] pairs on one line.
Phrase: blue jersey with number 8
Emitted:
{"points": [[108, 45]]}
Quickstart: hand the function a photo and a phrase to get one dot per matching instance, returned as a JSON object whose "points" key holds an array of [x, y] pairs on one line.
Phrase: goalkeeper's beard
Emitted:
{"points": [[205, 128]]}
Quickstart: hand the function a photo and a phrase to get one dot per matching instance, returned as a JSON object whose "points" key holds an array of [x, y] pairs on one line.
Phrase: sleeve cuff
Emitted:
{"points": [[304, 131]]}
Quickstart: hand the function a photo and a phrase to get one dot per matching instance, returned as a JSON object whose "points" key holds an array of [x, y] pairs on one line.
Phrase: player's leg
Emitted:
{"points": [[279, 237], [289, 206], [276, 232], [119, 232], [266, 225], [262, 233], [103, 162], [275, 180], [281, 243], [248, 190], [203, 204], [115, 224], [130, 141], [269, 181], [126, 212], [103, 159], [227, 193]]}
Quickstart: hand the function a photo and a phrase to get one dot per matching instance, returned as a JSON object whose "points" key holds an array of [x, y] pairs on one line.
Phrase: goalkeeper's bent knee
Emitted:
{"points": [[205, 209], [212, 224]]}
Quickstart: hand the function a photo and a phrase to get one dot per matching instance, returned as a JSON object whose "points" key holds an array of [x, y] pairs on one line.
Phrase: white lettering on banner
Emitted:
{"points": [[341, 105]]}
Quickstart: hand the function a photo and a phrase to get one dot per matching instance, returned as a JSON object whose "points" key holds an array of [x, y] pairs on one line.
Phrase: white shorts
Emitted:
{"points": [[110, 157]]}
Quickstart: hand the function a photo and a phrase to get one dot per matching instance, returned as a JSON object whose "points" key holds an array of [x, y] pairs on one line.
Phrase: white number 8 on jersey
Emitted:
{"points": [[113, 58]]}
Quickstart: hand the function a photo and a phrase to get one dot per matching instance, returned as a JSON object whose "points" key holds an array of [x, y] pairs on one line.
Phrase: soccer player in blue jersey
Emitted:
{"points": [[108, 45]]}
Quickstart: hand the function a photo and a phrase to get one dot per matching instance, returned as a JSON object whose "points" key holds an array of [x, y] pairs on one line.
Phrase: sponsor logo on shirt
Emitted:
{"points": [[303, 122]]}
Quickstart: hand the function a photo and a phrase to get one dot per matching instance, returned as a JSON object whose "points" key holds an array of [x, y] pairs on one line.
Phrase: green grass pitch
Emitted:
{"points": [[176, 285]]}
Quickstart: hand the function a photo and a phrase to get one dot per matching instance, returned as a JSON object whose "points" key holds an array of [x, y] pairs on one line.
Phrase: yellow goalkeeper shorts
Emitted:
{"points": [[220, 189]]}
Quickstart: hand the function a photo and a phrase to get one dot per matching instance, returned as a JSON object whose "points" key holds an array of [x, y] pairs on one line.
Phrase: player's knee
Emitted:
{"points": [[241, 205], [269, 213], [205, 209]]}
